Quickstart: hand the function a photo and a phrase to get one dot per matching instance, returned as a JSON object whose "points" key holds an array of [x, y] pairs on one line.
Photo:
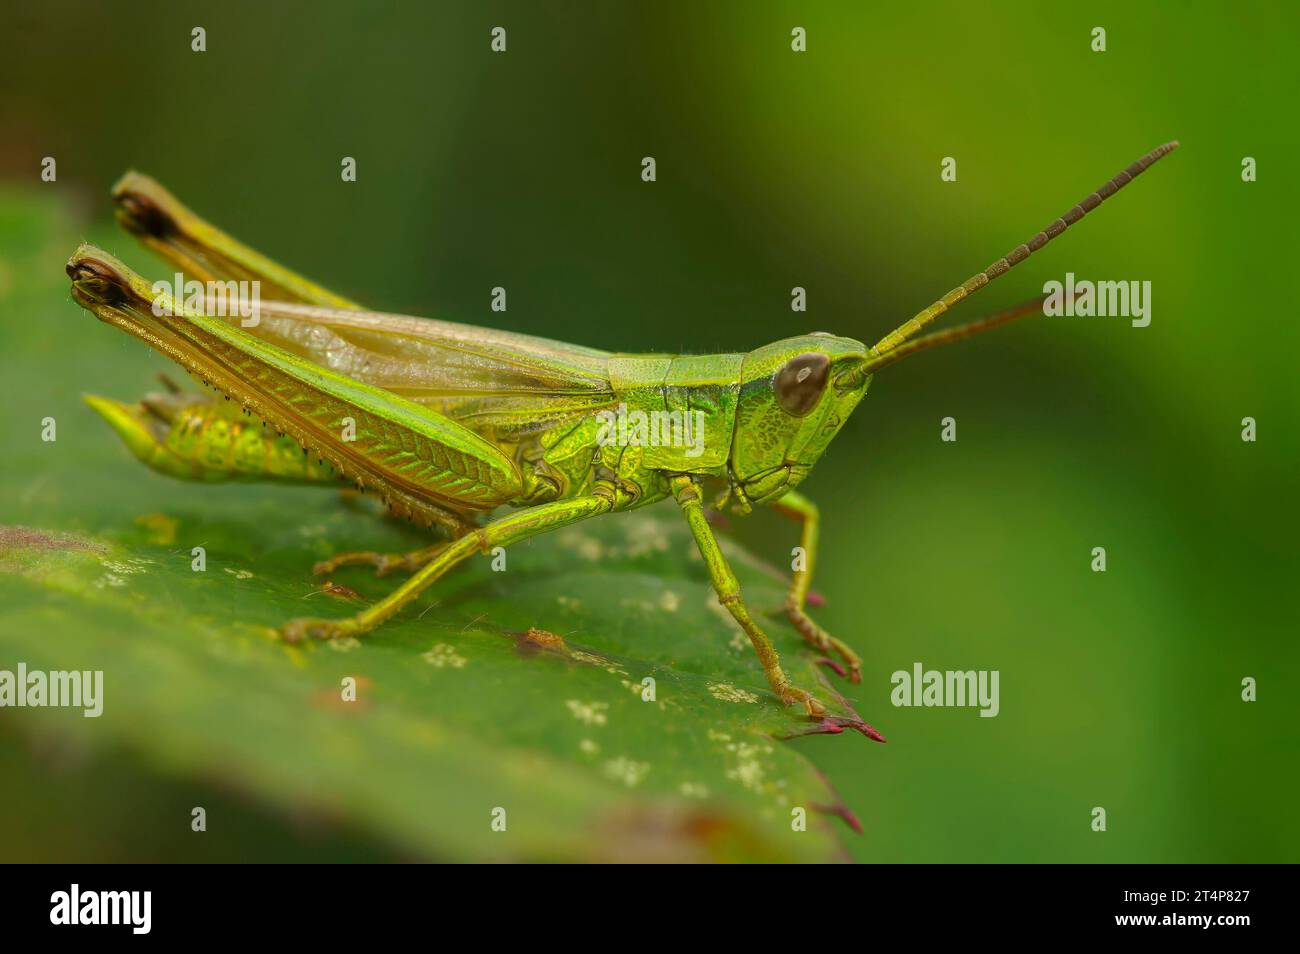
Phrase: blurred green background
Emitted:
{"points": [[777, 169]]}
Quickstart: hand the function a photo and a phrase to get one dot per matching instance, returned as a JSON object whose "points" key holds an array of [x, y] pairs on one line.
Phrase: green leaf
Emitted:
{"points": [[523, 690]]}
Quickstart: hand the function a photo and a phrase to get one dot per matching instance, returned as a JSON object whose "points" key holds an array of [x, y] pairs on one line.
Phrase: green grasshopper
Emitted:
{"points": [[450, 422]]}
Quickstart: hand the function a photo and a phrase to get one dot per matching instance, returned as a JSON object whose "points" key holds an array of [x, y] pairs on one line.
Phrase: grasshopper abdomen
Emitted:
{"points": [[195, 438]]}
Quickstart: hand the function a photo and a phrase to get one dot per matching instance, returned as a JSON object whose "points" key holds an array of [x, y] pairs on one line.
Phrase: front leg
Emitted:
{"points": [[727, 587], [798, 507]]}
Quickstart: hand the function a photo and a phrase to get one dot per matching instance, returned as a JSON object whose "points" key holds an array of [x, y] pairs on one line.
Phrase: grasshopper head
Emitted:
{"points": [[795, 395]]}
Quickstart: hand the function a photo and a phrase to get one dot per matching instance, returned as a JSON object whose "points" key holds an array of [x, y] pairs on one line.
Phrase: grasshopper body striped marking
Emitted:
{"points": [[452, 423]]}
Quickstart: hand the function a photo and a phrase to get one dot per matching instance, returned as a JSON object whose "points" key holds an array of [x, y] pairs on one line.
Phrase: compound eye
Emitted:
{"points": [[801, 381]]}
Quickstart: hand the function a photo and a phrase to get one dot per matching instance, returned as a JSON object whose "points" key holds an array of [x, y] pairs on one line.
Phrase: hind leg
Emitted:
{"points": [[384, 563], [508, 529]]}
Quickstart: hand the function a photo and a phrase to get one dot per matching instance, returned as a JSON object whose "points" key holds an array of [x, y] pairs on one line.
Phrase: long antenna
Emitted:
{"points": [[1019, 253], [947, 335]]}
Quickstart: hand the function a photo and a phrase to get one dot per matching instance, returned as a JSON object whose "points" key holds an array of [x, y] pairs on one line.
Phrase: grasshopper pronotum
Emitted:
{"points": [[451, 422]]}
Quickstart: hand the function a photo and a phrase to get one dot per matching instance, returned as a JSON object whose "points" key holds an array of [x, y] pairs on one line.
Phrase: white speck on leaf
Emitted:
{"points": [[729, 693], [644, 536], [592, 659], [588, 713], [749, 770], [443, 656], [118, 570], [623, 769], [589, 548]]}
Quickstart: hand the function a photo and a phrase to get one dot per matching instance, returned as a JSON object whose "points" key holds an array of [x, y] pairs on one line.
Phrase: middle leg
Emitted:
{"points": [[727, 587]]}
